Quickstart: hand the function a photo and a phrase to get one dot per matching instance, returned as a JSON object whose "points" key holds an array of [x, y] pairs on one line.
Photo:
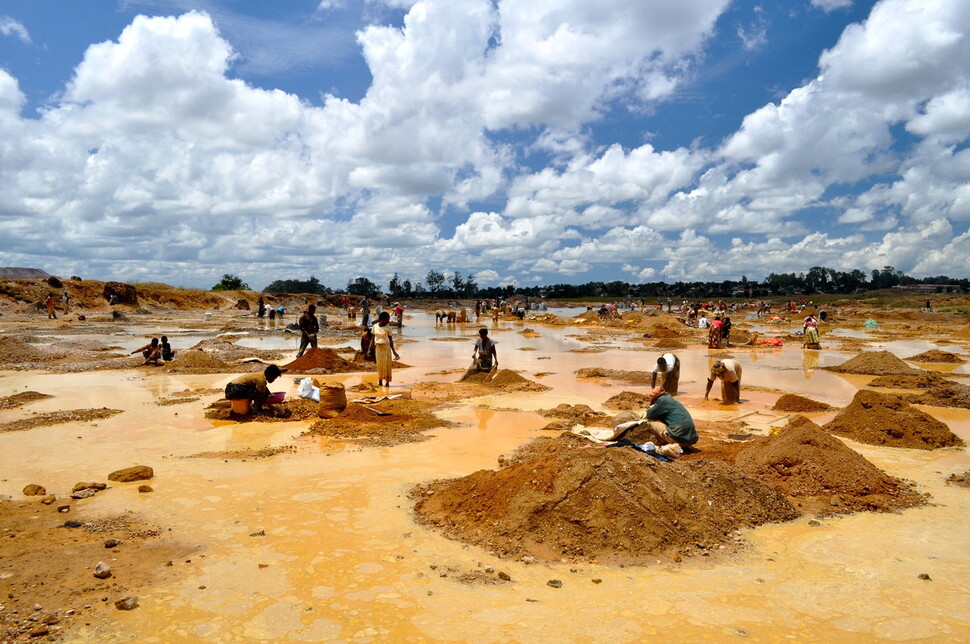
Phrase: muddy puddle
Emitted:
{"points": [[338, 557]]}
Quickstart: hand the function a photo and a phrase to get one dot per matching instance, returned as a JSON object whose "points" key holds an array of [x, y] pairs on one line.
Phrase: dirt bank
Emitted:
{"points": [[506, 380], [881, 419], [950, 394], [560, 498]]}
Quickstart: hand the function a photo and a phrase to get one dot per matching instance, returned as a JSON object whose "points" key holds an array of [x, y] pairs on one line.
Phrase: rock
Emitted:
{"points": [[40, 631], [924, 577], [145, 489], [89, 486], [262, 533], [84, 494], [597, 581], [504, 576], [133, 473], [102, 570], [555, 583], [489, 569], [124, 293], [72, 524], [814, 523], [118, 315], [35, 490], [127, 603], [112, 543], [63, 508], [242, 305], [49, 499], [54, 282]]}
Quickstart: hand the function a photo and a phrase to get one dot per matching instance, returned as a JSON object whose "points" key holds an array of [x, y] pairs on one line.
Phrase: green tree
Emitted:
{"points": [[394, 287], [470, 287], [311, 285], [363, 286], [231, 282], [435, 281], [457, 283]]}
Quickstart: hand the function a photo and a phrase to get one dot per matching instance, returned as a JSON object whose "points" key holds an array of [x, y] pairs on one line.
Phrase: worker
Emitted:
{"points": [[309, 326], [729, 372], [152, 351], [668, 368], [678, 426], [383, 348], [484, 355], [254, 387], [167, 353], [51, 314]]}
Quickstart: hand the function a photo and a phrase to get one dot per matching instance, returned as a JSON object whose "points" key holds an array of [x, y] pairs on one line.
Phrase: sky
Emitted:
{"points": [[521, 142]]}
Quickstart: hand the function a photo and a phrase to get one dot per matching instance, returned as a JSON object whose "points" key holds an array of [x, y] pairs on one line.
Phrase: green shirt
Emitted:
{"points": [[675, 417]]}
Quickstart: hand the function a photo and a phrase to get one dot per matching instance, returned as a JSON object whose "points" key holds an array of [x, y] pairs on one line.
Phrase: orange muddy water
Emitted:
{"points": [[343, 560]]}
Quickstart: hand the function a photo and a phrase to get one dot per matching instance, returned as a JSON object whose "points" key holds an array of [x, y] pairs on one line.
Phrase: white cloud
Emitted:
{"points": [[831, 5], [11, 27]]}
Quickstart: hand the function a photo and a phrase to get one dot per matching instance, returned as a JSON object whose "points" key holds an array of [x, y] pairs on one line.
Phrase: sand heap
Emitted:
{"points": [[627, 401], [16, 351], [794, 402], [192, 361], [612, 505], [656, 323], [572, 415], [18, 400], [947, 394], [506, 380], [934, 355], [874, 363], [918, 380], [404, 421], [669, 344], [635, 377], [880, 419], [323, 361], [804, 461]]}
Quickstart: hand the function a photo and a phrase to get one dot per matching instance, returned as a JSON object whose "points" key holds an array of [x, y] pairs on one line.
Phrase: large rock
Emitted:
{"points": [[133, 473], [125, 293], [242, 305], [34, 490]]}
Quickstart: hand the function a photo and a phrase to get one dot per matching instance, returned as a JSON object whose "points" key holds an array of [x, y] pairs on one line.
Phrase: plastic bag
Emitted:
{"points": [[308, 391]]}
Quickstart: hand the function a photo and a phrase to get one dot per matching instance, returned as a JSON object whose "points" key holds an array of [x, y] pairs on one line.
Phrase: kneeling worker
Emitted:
{"points": [[678, 425], [729, 371], [668, 367], [254, 388]]}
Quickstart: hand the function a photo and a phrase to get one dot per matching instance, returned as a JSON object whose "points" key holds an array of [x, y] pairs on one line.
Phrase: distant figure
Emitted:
{"points": [[383, 348], [309, 327], [929, 305], [280, 310], [167, 354], [260, 307], [484, 352], [113, 299], [668, 368], [714, 333], [365, 312], [254, 387], [399, 314], [152, 352], [66, 301], [726, 331], [810, 338], [729, 373], [51, 313]]}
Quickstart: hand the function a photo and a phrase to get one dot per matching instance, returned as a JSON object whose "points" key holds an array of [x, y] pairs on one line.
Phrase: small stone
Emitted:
{"points": [[261, 533], [555, 583], [89, 485], [924, 577], [597, 581], [814, 523], [504, 576], [85, 493], [40, 631], [63, 508], [145, 489], [202, 587], [102, 570], [678, 558], [134, 473], [112, 543], [35, 490], [72, 524], [38, 607], [127, 603], [489, 569], [49, 499], [528, 559]]}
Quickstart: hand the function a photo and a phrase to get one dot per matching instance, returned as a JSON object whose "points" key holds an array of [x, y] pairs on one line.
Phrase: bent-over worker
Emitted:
{"points": [[152, 351], [308, 329], [668, 368], [254, 387], [678, 424], [729, 372]]}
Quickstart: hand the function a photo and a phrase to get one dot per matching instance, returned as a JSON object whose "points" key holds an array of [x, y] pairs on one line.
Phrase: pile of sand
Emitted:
{"points": [[803, 461], [290, 410], [57, 418], [917, 380], [15, 351], [635, 377], [405, 421], [18, 400], [323, 361], [949, 394], [934, 355], [616, 505], [656, 323], [572, 415], [963, 332], [874, 363], [506, 380], [880, 419], [200, 362], [794, 402], [627, 401]]}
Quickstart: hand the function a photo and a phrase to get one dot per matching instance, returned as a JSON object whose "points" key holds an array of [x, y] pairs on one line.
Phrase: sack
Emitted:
{"points": [[333, 400], [308, 391]]}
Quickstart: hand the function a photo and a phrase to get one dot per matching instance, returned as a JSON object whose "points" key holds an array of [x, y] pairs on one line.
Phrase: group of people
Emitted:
{"points": [[51, 304], [156, 351]]}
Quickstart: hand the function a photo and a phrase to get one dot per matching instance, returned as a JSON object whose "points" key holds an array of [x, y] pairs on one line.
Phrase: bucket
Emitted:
{"points": [[240, 406]]}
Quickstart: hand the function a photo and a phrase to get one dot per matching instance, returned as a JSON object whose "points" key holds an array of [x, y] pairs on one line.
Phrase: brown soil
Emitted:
{"points": [[635, 377], [21, 399], [950, 394], [14, 351], [45, 564], [447, 391], [881, 419], [935, 355], [201, 362], [918, 380], [506, 380], [290, 410], [962, 480], [570, 415], [874, 363], [405, 422], [323, 361], [794, 402], [245, 454], [58, 417], [557, 500], [802, 461], [627, 401]]}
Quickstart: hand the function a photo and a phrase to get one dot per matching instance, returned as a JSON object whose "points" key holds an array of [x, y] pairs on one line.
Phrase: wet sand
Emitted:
{"points": [[341, 558]]}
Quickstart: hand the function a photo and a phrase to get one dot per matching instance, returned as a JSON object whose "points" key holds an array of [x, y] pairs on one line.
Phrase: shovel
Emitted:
{"points": [[376, 411]]}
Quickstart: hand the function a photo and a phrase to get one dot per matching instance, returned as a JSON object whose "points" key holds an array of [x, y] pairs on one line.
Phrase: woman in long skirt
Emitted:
{"points": [[384, 347], [714, 333]]}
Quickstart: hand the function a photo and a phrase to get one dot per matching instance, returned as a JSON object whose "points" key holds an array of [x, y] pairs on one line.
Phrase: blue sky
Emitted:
{"points": [[519, 141]]}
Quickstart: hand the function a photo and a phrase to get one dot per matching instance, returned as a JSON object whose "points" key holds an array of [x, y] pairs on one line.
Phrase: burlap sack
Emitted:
{"points": [[333, 400]]}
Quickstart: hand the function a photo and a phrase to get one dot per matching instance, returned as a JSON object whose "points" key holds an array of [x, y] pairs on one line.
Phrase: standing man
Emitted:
{"points": [[66, 300], [51, 314], [308, 329], [729, 372], [365, 312], [668, 368]]}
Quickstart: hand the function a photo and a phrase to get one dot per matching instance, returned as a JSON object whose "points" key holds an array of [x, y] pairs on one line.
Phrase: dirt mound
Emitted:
{"points": [[635, 377], [918, 380], [950, 394], [290, 410], [657, 324], [963, 332], [802, 460], [962, 480], [615, 505], [627, 401], [58, 417], [571, 415], [506, 380], [404, 422], [880, 419], [16, 351], [934, 355], [794, 402], [323, 361], [200, 362], [21, 399], [874, 363]]}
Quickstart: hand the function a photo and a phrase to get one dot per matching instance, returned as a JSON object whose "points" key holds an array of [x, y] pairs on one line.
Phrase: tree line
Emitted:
{"points": [[818, 280]]}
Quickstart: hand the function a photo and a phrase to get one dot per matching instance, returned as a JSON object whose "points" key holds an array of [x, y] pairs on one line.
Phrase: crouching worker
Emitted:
{"points": [[250, 392], [152, 352], [729, 372], [668, 368], [678, 426]]}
